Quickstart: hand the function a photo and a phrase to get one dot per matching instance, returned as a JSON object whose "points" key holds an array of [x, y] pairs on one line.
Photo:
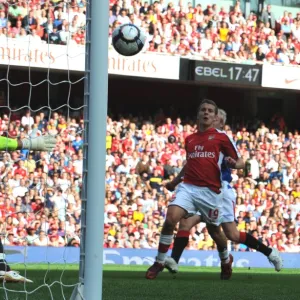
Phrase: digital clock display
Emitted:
{"points": [[228, 73]]}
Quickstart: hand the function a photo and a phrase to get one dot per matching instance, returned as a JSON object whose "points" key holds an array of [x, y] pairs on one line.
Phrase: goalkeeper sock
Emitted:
{"points": [[3, 265], [251, 242], [164, 244], [180, 242]]}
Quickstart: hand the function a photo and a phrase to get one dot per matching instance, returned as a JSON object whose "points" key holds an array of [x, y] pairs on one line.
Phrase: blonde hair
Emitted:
{"points": [[222, 115]]}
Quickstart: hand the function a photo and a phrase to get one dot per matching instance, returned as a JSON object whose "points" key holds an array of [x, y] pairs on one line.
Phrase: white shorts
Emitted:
{"points": [[194, 198], [229, 202]]}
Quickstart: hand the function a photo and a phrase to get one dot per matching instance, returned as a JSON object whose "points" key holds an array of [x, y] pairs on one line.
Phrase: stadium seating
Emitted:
{"points": [[36, 189], [213, 33], [209, 33], [140, 159]]}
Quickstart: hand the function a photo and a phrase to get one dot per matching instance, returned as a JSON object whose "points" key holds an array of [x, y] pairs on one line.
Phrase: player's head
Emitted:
{"points": [[221, 119], [207, 114]]}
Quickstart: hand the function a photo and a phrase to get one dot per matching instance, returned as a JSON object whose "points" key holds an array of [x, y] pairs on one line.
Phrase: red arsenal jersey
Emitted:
{"points": [[204, 154]]}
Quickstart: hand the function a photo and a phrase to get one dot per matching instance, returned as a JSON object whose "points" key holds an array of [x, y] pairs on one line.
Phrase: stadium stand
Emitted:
{"points": [[143, 155], [39, 21], [209, 33], [36, 189]]}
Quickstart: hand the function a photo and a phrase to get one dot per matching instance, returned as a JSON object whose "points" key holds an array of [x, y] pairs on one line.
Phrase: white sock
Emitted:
{"points": [[165, 240], [224, 256], [2, 256], [161, 257]]}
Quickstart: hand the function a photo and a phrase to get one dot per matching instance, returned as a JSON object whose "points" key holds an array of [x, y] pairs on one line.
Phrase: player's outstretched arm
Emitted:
{"points": [[235, 164], [40, 143]]}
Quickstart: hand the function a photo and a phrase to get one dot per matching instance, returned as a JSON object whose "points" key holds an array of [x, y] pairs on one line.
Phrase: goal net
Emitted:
{"points": [[42, 63]]}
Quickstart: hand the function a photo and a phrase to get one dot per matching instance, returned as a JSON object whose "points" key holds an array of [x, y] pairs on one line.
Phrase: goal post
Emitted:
{"points": [[95, 114]]}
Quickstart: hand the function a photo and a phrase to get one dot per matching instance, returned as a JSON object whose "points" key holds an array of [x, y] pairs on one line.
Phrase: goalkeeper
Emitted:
{"points": [[41, 143]]}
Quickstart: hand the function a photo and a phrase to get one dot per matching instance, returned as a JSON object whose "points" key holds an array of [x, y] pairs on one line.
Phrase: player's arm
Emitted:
{"points": [[7, 144], [40, 143], [235, 164], [179, 178], [233, 157]]}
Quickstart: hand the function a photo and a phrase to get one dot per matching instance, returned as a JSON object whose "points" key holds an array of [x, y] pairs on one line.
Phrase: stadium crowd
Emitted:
{"points": [[211, 32], [58, 22], [143, 155], [40, 200]]}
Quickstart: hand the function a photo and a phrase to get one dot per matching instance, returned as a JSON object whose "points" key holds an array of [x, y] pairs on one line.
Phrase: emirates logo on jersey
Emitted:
{"points": [[200, 152], [211, 137]]}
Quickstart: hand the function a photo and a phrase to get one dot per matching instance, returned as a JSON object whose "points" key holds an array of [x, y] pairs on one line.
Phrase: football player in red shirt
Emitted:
{"points": [[201, 187], [228, 225]]}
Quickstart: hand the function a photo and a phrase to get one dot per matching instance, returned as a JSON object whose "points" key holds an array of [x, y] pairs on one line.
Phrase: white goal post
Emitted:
{"points": [[95, 113]]}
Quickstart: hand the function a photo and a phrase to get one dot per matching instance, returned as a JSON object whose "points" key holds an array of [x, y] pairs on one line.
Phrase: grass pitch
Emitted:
{"points": [[129, 283]]}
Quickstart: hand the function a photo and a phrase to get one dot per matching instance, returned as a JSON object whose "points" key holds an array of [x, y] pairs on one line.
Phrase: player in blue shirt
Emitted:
{"points": [[228, 224], [226, 172]]}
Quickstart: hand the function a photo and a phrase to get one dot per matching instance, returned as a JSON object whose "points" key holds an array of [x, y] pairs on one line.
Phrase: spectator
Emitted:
{"points": [[64, 35], [143, 166], [124, 167], [59, 204], [155, 181], [17, 29], [27, 119], [268, 16], [29, 22], [3, 19], [77, 143], [32, 236], [42, 240]]}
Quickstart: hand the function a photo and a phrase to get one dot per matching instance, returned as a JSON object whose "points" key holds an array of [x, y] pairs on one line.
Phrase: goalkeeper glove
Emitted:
{"points": [[40, 143]]}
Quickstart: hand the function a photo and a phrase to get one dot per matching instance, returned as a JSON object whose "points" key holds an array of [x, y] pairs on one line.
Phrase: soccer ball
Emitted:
{"points": [[128, 39]]}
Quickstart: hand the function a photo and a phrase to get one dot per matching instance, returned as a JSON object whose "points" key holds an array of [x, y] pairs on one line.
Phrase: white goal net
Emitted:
{"points": [[42, 62]]}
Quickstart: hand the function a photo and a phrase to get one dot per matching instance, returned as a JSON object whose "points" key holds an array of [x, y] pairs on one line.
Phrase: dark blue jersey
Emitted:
{"points": [[226, 172]]}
